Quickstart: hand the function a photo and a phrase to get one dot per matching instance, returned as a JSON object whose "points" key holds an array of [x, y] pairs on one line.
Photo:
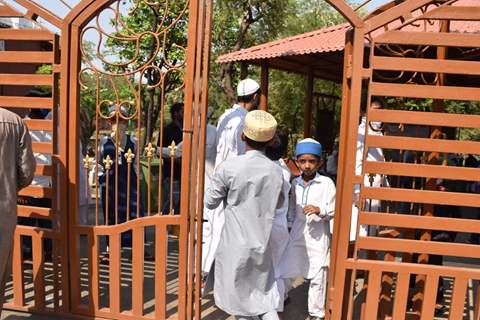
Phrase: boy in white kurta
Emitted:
{"points": [[308, 252]]}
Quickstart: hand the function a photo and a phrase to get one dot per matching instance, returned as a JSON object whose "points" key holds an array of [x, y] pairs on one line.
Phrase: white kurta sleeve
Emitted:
{"points": [[237, 136], [217, 191], [328, 207]]}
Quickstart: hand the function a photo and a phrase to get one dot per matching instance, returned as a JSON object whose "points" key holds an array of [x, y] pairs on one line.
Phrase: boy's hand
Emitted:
{"points": [[309, 209]]}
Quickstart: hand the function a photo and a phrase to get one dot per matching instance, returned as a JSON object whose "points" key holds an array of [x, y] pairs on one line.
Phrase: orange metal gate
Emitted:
{"points": [[40, 275], [73, 273], [132, 264], [104, 253], [417, 54]]}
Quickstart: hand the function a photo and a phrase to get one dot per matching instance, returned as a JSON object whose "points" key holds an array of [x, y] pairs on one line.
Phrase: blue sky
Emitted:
{"points": [[375, 3]]}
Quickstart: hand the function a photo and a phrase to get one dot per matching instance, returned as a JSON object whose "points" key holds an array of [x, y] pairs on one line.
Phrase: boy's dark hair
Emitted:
{"points": [[318, 157], [260, 146], [378, 100], [175, 108], [249, 98], [277, 148]]}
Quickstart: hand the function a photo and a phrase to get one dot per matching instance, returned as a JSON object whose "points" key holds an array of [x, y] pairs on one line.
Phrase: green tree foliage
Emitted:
{"points": [[283, 19], [287, 91], [236, 25]]}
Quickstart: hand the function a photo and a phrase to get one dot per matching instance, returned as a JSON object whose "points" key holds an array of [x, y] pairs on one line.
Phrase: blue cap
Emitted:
{"points": [[308, 146]]}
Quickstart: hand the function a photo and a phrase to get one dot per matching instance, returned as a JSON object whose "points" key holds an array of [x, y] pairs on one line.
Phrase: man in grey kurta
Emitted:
{"points": [[250, 186], [17, 167]]}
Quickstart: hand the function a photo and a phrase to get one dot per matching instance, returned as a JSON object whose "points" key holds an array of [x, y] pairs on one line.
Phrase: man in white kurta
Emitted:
{"points": [[372, 154], [229, 144], [208, 215], [308, 251], [251, 186]]}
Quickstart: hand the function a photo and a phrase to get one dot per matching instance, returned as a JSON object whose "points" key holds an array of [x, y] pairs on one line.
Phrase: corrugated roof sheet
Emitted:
{"points": [[324, 40]]}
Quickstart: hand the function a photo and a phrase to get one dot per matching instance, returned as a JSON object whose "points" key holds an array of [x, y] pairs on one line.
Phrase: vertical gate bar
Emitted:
{"points": [[401, 296], [457, 303], [149, 191], [193, 236], [341, 158], [138, 153], [62, 119], [348, 167], [97, 155], [71, 124], [186, 172], [428, 305], [38, 271], [94, 283], [129, 169], [160, 271], [17, 271], [117, 153], [348, 292], [172, 165], [201, 182], [56, 228], [373, 293], [137, 271], [114, 252], [160, 143]]}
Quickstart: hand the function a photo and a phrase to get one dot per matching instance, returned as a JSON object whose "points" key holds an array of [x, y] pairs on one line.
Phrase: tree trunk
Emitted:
{"points": [[227, 70]]}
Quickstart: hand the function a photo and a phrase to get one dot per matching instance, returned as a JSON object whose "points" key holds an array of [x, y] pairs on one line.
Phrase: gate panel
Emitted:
{"points": [[410, 203], [40, 276], [132, 238]]}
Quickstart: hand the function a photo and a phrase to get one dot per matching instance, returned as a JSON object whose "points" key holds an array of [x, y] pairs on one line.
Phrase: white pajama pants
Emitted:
{"points": [[317, 293]]}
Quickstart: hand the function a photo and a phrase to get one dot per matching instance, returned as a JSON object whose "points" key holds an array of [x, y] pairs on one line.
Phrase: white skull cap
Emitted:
{"points": [[247, 87]]}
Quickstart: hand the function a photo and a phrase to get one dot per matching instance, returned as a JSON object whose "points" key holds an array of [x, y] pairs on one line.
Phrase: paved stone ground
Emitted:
{"points": [[296, 310]]}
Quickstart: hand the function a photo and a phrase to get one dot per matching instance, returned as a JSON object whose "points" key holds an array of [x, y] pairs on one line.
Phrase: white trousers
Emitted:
{"points": [[317, 293], [212, 230], [272, 315]]}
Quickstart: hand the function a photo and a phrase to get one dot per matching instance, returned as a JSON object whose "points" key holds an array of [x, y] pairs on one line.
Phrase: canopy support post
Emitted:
{"points": [[307, 116], [243, 70], [264, 86]]}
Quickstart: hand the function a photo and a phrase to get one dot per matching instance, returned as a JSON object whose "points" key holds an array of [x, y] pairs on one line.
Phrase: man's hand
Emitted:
{"points": [[309, 209]]}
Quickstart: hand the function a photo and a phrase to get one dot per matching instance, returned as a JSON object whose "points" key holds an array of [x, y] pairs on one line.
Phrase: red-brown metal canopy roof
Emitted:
{"points": [[322, 50], [298, 53]]}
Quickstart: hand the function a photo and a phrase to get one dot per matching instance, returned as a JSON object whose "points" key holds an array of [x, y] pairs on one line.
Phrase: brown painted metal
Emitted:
{"points": [[381, 301], [77, 247], [39, 46]]}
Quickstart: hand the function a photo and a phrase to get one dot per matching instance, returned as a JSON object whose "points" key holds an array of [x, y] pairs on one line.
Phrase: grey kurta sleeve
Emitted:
{"points": [[25, 159], [217, 191]]}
